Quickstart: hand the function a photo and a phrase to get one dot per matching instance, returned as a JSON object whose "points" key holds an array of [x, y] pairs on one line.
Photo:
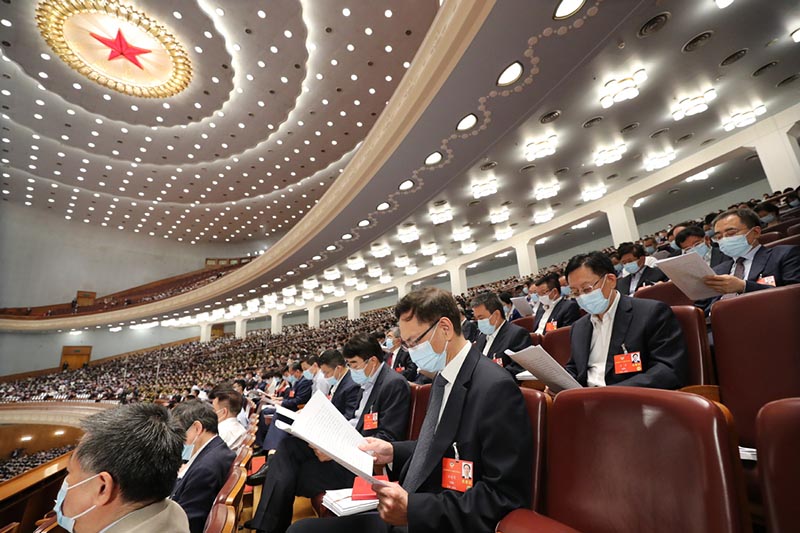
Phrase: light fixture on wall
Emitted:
{"points": [[356, 263], [331, 274], [309, 284]]}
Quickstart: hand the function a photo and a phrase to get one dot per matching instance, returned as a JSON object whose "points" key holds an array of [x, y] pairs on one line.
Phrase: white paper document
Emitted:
{"points": [[320, 424], [525, 376], [341, 504], [541, 364], [522, 305], [687, 272]]}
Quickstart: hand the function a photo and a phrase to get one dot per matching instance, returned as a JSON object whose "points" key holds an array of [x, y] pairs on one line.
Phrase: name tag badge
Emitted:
{"points": [[498, 360], [370, 421], [291, 394], [626, 363], [767, 280], [550, 326], [456, 475], [400, 368]]}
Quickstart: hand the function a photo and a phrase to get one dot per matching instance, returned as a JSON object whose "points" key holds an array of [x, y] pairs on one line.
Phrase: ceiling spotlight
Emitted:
{"points": [[462, 234], [501, 234], [594, 193], [638, 203], [410, 270], [408, 234], [486, 187], [543, 216], [700, 176], [541, 241], [541, 148], [332, 274], [510, 74], [743, 118], [499, 216], [693, 105], [356, 263], [659, 160], [467, 123], [582, 225], [406, 185], [429, 249], [722, 4], [619, 90], [543, 192], [402, 261], [378, 250], [567, 8], [609, 154], [434, 159], [439, 260], [468, 247], [383, 206], [441, 214], [374, 271]]}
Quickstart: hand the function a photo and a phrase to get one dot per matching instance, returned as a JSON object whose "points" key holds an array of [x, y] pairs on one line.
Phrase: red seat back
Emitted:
{"points": [[778, 428], [693, 325], [628, 459], [525, 322], [792, 240], [537, 403], [557, 344], [221, 519], [664, 292], [757, 352], [769, 236], [793, 230], [536, 339], [419, 406]]}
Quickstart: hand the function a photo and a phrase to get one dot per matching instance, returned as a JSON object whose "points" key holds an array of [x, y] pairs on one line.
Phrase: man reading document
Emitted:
{"points": [[460, 428]]}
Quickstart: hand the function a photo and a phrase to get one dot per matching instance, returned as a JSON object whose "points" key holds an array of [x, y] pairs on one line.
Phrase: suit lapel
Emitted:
{"points": [[376, 388], [622, 321], [497, 340], [759, 262], [582, 333]]}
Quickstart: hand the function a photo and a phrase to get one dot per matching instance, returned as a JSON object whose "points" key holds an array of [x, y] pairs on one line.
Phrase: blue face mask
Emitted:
{"points": [[767, 219], [426, 358], [735, 246], [534, 298], [631, 268], [291, 379], [524, 290], [358, 375], [485, 327], [331, 380], [67, 522], [594, 303], [794, 203], [674, 246], [700, 249], [565, 290], [307, 374], [618, 267], [389, 343], [508, 310], [709, 232], [188, 450], [649, 250]]}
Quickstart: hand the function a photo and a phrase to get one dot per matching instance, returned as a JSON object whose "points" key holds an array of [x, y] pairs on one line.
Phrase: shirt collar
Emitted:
{"points": [[451, 370], [609, 314], [749, 256]]}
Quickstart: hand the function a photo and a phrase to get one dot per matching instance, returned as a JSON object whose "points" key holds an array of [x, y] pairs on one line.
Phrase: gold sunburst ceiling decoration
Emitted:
{"points": [[116, 46]]}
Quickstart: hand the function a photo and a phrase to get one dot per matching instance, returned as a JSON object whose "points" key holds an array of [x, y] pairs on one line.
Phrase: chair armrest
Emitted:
{"points": [[709, 392], [525, 521]]}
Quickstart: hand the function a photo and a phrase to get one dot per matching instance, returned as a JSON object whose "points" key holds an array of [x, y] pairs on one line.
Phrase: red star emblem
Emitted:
{"points": [[121, 48]]}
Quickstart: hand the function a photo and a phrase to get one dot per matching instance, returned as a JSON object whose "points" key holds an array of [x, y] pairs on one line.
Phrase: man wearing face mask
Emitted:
{"points": [[397, 357], [344, 393], [555, 312], [311, 372], [751, 267], [622, 340], [297, 469], [208, 461], [768, 214], [227, 404], [497, 335], [694, 240], [639, 274], [508, 307], [473, 409], [297, 395], [119, 476]]}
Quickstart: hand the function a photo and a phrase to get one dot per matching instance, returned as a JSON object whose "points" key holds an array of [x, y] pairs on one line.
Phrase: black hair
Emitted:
{"points": [[429, 305], [689, 231], [597, 262], [490, 301], [225, 394], [505, 297], [766, 206], [189, 412], [363, 346], [630, 248], [331, 358], [551, 280]]}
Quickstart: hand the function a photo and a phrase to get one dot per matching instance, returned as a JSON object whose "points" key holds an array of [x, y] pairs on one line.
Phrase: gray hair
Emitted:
{"points": [[395, 331], [186, 413], [138, 445]]}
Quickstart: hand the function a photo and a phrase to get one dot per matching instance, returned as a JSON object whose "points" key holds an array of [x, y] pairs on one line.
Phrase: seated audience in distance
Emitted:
{"points": [[227, 404], [296, 469], [694, 239], [508, 307], [617, 327], [751, 267], [397, 357], [345, 394], [209, 461], [533, 298], [298, 395], [614, 256], [496, 335], [474, 407], [468, 328], [311, 371], [649, 244], [639, 275], [565, 292], [121, 473], [554, 312], [768, 214], [792, 200]]}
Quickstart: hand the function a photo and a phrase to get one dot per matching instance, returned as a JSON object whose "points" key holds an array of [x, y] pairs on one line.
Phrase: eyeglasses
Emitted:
{"points": [[413, 343], [730, 232], [586, 290]]}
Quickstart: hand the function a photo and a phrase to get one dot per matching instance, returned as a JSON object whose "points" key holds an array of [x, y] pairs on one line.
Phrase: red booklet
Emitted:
{"points": [[362, 489]]}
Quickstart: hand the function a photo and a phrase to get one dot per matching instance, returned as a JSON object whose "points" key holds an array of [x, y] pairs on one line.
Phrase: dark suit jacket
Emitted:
{"points": [[782, 262], [480, 428], [391, 399], [347, 396], [302, 393], [402, 364], [510, 337], [650, 275], [565, 313], [717, 256], [198, 487], [645, 326], [469, 330]]}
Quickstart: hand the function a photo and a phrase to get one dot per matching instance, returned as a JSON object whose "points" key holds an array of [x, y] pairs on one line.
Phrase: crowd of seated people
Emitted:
{"points": [[21, 462]]}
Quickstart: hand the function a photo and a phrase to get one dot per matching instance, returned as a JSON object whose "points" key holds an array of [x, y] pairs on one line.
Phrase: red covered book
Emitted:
{"points": [[362, 489]]}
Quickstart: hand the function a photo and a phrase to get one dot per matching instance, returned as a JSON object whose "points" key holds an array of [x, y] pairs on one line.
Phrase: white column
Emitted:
{"points": [[276, 323], [313, 316], [779, 153], [205, 332], [623, 224], [458, 279], [353, 307], [241, 328], [526, 258]]}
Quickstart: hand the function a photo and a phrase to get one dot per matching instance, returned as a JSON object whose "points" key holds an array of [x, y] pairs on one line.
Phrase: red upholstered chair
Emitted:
{"points": [[221, 519], [627, 459], [232, 491], [556, 343], [770, 236], [538, 404], [792, 240], [664, 292], [525, 322], [693, 324], [778, 438], [793, 230], [536, 339], [419, 407], [243, 456], [781, 227]]}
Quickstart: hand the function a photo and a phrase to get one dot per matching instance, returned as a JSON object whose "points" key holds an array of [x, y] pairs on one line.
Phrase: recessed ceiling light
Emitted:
{"points": [[383, 206], [177, 15], [567, 8], [346, 12], [6, 23], [511, 74], [467, 123], [796, 35], [722, 4], [433, 159], [363, 223], [406, 185]]}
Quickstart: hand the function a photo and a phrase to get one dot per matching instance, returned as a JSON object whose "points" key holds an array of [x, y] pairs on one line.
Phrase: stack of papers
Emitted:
{"points": [[522, 305], [341, 504], [687, 272], [541, 364]]}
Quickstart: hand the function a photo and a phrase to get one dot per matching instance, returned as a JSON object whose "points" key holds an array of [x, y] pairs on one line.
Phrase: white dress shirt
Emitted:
{"points": [[230, 430], [548, 310], [598, 347], [450, 373], [490, 338], [367, 392], [320, 383]]}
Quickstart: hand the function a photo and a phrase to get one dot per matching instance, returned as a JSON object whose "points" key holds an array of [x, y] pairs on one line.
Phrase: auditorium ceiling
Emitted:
{"points": [[538, 117]]}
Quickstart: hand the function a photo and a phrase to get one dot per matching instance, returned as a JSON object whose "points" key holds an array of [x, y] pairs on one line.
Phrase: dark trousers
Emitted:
{"points": [[263, 425], [366, 523], [294, 470]]}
